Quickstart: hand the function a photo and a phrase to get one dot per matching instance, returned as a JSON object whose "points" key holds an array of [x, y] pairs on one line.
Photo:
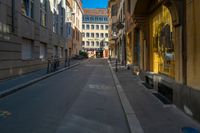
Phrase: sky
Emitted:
{"points": [[95, 3]]}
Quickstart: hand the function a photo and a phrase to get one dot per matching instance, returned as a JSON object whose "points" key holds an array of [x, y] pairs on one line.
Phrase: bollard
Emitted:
{"points": [[48, 65]]}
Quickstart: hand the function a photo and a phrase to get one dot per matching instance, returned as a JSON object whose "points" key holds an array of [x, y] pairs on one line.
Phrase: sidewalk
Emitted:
{"points": [[16, 81], [152, 114]]}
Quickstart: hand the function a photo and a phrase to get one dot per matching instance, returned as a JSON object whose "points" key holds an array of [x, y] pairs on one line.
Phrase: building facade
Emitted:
{"points": [[161, 46], [31, 32], [76, 23], [95, 32]]}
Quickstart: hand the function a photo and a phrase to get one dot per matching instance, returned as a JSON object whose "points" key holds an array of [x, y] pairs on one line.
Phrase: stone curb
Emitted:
{"points": [[23, 85], [133, 122]]}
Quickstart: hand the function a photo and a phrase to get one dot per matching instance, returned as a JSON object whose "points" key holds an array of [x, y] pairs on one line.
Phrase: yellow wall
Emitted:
{"points": [[129, 48], [193, 43]]}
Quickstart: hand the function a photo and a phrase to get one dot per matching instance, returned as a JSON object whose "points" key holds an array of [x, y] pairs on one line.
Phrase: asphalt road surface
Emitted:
{"points": [[80, 100]]}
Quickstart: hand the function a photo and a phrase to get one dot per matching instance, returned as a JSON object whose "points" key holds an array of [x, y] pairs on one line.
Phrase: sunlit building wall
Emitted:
{"points": [[95, 32], [162, 43], [31, 32]]}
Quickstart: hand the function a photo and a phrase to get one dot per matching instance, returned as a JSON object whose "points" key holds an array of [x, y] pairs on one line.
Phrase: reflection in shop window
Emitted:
{"points": [[163, 47]]}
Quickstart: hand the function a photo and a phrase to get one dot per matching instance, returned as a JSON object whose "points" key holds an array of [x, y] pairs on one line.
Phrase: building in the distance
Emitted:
{"points": [[95, 32]]}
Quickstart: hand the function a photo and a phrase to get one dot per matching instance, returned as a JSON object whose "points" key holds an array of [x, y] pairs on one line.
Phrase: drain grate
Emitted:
{"points": [[189, 130], [163, 99]]}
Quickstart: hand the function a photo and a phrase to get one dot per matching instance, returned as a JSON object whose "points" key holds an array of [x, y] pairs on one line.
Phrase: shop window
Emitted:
{"points": [[163, 47]]}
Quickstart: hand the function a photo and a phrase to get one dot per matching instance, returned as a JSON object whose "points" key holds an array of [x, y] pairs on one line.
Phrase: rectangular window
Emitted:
{"points": [[87, 27], [97, 27], [106, 27], [102, 35], [43, 51], [87, 34], [88, 43], [129, 6], [61, 20], [83, 26], [55, 51], [97, 35], [102, 27], [55, 23], [92, 35], [43, 12], [60, 52], [83, 43], [27, 8], [92, 43], [92, 27], [106, 35], [27, 50], [114, 10]]}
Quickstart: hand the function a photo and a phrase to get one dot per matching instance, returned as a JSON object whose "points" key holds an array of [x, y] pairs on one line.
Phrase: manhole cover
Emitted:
{"points": [[190, 130]]}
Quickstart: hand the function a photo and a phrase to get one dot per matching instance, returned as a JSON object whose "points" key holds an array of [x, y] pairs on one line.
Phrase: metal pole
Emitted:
{"points": [[116, 64]]}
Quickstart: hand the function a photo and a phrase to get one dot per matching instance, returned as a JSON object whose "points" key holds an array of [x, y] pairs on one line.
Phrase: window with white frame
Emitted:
{"points": [[106, 35], [27, 49], [88, 43], [87, 34], [106, 27], [92, 43], [97, 27], [43, 12], [97, 43], [102, 27], [27, 8], [43, 51], [97, 35], [102, 35], [92, 35]]}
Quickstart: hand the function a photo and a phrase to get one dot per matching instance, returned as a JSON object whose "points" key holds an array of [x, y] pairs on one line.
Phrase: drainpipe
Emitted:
{"points": [[184, 41], [13, 15]]}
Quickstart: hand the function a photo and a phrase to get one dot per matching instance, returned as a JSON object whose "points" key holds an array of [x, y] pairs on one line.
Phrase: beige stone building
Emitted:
{"points": [[31, 31], [95, 32]]}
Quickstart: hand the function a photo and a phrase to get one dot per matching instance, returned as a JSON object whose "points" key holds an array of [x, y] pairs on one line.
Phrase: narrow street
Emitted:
{"points": [[80, 100]]}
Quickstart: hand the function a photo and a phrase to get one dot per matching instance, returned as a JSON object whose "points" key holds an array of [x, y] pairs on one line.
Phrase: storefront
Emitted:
{"points": [[162, 45]]}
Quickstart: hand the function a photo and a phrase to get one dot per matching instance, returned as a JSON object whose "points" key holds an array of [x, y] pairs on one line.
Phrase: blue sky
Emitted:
{"points": [[95, 3]]}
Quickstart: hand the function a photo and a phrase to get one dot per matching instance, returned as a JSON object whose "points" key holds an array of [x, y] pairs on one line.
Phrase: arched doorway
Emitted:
{"points": [[162, 45], [158, 23]]}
